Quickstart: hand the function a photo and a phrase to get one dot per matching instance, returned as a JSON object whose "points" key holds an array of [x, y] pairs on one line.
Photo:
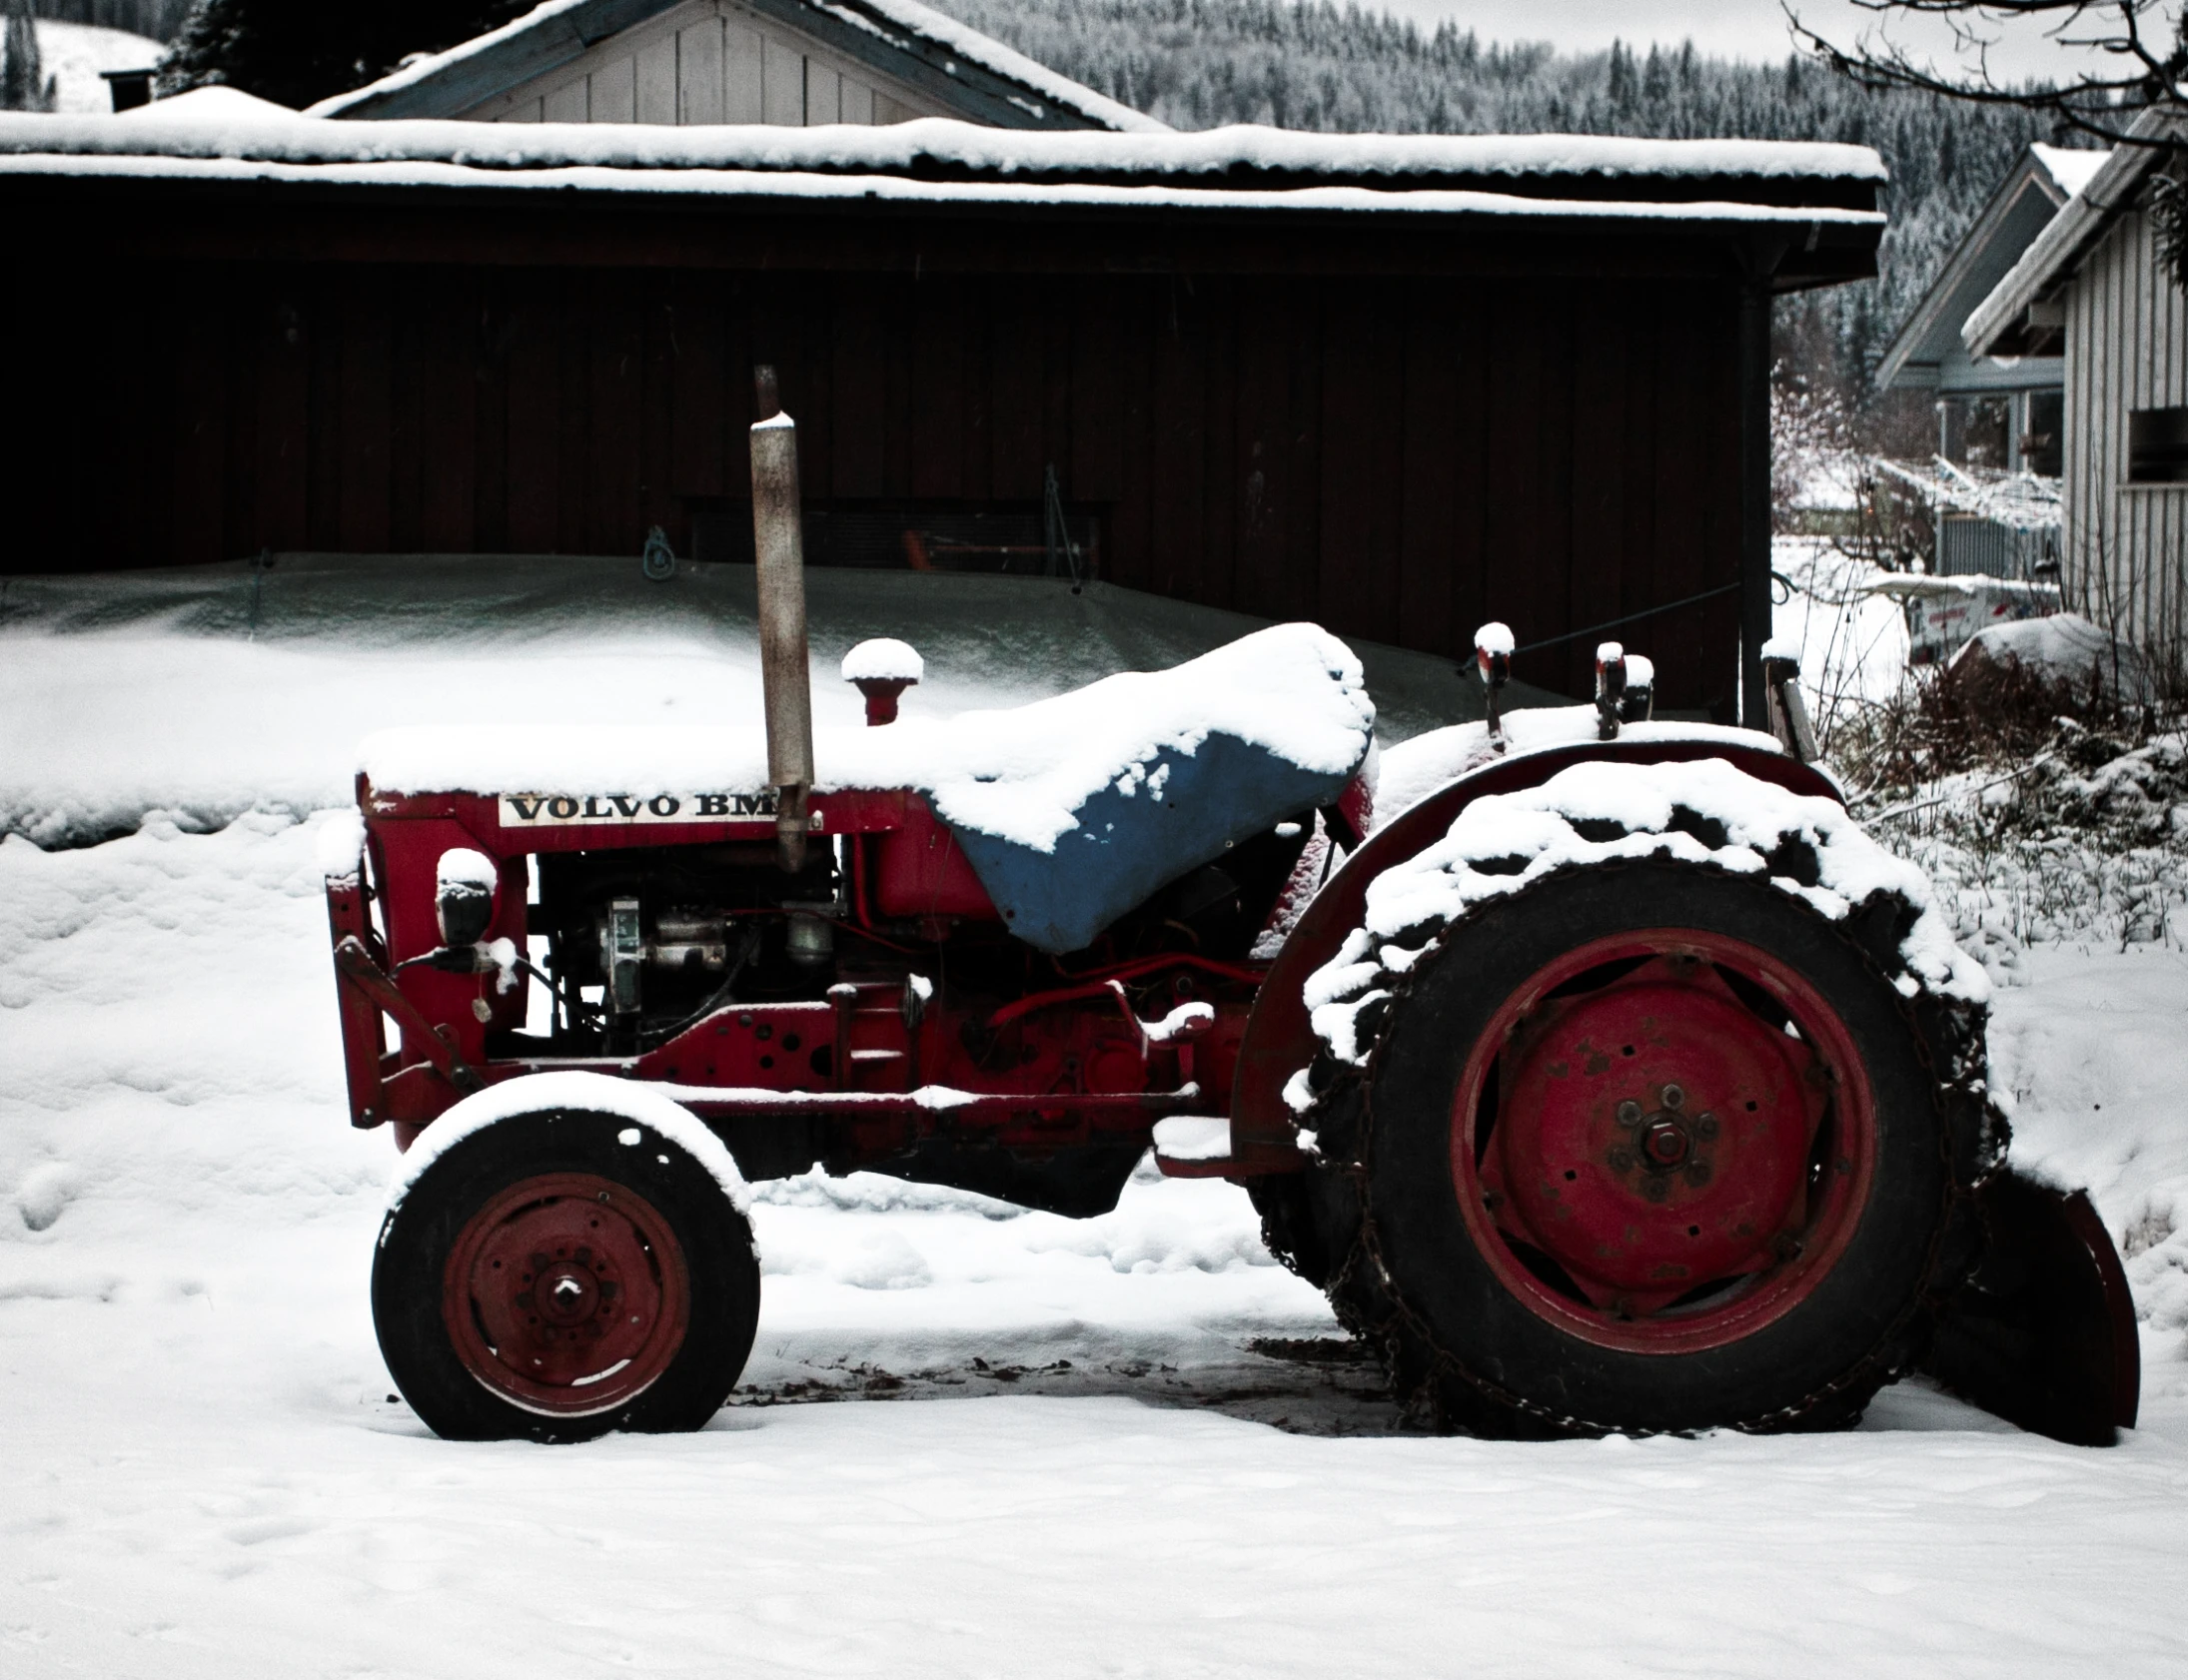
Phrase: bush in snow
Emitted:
{"points": [[2048, 801]]}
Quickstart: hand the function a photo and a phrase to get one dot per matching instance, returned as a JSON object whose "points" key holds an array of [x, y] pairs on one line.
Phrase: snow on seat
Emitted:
{"points": [[1071, 810]]}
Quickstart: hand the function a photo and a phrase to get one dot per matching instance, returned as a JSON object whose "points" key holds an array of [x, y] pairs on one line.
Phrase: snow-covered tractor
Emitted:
{"points": [[1616, 1081]]}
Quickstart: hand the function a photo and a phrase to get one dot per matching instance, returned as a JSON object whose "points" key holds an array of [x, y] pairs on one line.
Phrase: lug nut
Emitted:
{"points": [[1705, 1125], [1630, 1112], [1673, 1096]]}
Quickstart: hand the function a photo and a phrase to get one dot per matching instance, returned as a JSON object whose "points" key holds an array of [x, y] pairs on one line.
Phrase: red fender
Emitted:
{"points": [[1279, 1038]]}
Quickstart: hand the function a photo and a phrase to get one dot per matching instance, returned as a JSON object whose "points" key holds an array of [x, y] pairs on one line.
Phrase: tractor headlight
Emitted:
{"points": [[464, 896]]}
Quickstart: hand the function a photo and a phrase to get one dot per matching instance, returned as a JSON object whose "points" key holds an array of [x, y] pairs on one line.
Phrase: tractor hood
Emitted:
{"points": [[1072, 810]]}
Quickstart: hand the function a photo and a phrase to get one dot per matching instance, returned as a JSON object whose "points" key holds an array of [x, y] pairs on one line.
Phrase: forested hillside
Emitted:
{"points": [[1200, 63]]}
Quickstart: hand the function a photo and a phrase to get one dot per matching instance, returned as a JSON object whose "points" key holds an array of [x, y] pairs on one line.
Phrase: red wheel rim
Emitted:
{"points": [[566, 1293], [1663, 1140]]}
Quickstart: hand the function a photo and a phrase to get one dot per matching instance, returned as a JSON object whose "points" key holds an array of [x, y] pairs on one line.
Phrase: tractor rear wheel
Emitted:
{"points": [[558, 1274], [1653, 1146]]}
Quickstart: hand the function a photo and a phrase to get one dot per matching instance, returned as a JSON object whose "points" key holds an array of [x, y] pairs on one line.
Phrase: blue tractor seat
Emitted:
{"points": [[1212, 752]]}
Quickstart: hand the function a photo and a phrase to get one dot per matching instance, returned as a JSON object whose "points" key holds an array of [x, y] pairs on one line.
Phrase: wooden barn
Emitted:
{"points": [[1399, 386]]}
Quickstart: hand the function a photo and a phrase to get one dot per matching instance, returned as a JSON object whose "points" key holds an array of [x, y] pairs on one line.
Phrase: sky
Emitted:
{"points": [[1750, 29]]}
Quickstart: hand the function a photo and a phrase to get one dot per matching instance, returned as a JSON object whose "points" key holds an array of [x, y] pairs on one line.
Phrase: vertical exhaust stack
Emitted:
{"points": [[778, 546]]}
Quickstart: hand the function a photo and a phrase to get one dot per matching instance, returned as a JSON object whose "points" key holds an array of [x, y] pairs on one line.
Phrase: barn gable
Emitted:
{"points": [[793, 63]]}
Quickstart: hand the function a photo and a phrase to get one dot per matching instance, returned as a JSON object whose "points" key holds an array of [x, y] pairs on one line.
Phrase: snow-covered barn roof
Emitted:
{"points": [[1822, 194], [971, 72]]}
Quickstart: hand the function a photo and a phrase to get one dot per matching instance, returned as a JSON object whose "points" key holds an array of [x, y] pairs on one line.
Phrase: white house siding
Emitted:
{"points": [[709, 62], [2126, 348]]}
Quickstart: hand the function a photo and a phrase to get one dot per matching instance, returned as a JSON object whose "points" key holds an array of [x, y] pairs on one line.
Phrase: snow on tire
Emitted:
{"points": [[1649, 1099]]}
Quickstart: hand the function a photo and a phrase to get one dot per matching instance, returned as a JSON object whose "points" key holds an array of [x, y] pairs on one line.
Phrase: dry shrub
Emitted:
{"points": [[1979, 714]]}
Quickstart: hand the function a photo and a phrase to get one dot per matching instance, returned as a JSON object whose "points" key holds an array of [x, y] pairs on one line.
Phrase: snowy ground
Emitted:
{"points": [[973, 1441], [1853, 644]]}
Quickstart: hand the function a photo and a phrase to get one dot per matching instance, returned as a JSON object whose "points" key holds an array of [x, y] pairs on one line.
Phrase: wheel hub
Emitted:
{"points": [[566, 1293], [1663, 1143], [1645, 1148], [566, 1296]]}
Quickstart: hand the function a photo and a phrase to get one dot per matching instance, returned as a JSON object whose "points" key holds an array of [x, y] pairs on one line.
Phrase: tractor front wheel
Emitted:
{"points": [[558, 1274]]}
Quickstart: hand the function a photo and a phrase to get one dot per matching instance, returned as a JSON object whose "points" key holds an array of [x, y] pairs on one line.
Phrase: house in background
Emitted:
{"points": [[796, 62], [2090, 291], [1993, 415]]}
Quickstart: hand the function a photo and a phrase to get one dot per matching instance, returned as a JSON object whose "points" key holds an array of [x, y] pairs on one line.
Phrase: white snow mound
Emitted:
{"points": [[2063, 646]]}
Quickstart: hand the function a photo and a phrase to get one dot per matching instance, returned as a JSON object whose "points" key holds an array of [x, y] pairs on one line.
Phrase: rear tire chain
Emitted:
{"points": [[1437, 1391]]}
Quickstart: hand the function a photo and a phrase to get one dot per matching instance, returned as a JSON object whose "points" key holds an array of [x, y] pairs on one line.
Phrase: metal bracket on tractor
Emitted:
{"points": [[826, 966]]}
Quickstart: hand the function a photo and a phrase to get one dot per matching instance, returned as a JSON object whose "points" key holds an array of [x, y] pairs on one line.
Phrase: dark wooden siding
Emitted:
{"points": [[1398, 458]]}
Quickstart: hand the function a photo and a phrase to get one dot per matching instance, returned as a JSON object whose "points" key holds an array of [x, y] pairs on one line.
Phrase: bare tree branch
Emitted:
{"points": [[2099, 101]]}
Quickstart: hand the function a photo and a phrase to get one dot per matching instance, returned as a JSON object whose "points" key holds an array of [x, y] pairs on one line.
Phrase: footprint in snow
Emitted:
{"points": [[44, 1192]]}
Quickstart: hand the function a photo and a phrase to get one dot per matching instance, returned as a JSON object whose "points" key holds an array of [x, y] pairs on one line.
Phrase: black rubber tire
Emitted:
{"points": [[416, 1238], [1464, 1351]]}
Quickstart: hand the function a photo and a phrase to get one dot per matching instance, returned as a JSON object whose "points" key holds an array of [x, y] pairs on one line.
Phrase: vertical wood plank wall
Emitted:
{"points": [[709, 61], [2126, 348], [1400, 459]]}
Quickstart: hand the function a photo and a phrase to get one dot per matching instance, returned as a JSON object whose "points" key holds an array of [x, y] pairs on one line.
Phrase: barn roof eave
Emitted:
{"points": [[1825, 238], [223, 127]]}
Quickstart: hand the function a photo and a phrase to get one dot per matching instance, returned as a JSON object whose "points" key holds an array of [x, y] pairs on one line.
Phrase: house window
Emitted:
{"points": [[2043, 434], [2157, 447], [1976, 431]]}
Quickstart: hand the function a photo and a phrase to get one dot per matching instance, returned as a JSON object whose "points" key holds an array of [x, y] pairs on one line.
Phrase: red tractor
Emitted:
{"points": [[1619, 1083]]}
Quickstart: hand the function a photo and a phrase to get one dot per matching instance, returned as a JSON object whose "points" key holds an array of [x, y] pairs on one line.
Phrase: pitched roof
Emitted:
{"points": [[2042, 180], [970, 72], [2075, 231]]}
